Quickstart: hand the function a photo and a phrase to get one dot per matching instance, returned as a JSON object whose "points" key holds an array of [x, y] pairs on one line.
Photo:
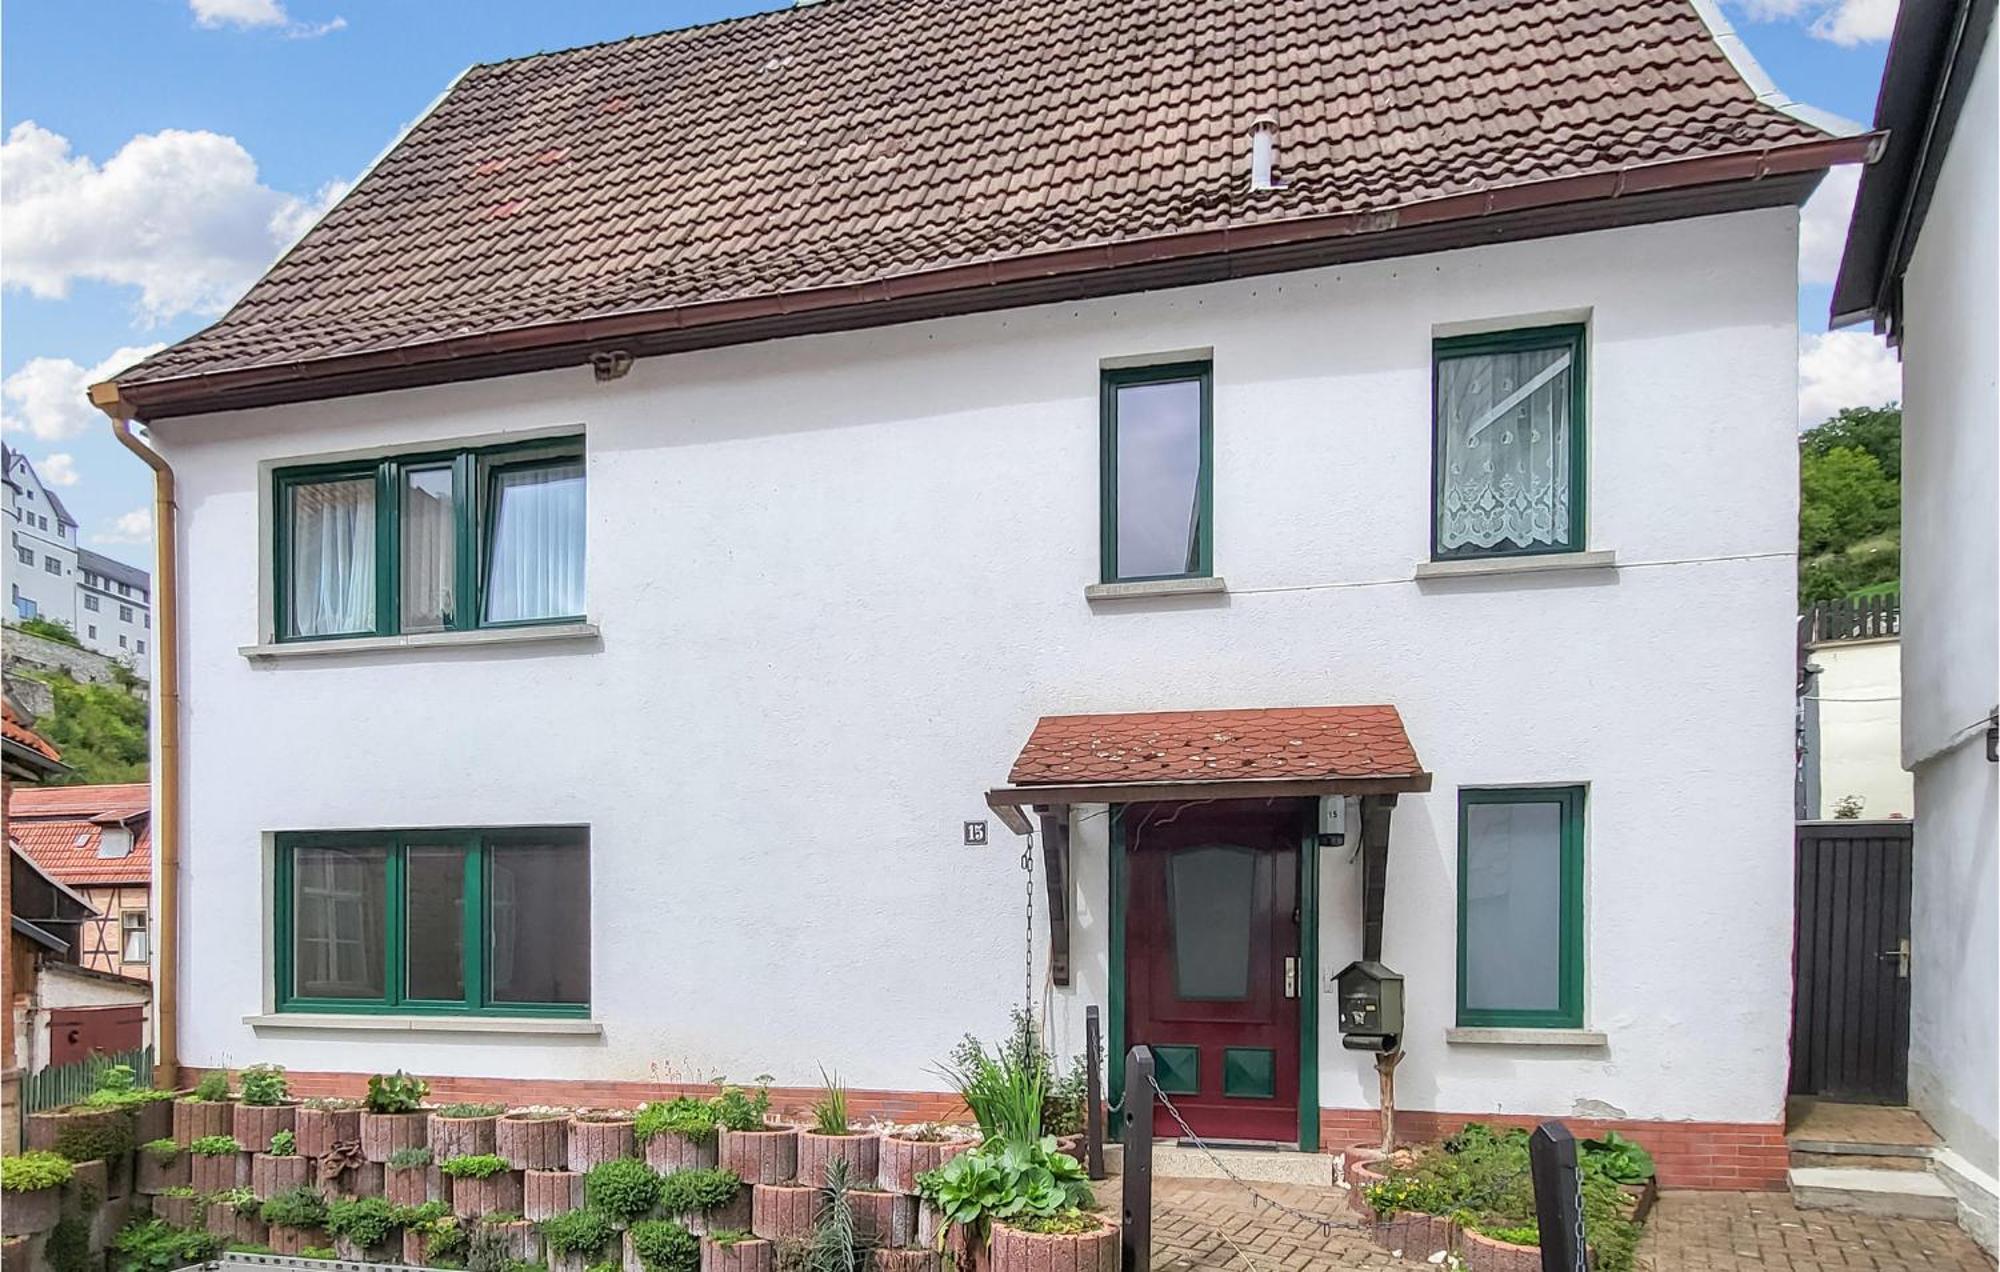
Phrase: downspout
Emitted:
{"points": [[167, 721]]}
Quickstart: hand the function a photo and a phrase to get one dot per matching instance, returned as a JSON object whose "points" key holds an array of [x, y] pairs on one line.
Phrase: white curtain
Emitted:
{"points": [[536, 567], [1504, 419], [333, 557], [427, 536]]}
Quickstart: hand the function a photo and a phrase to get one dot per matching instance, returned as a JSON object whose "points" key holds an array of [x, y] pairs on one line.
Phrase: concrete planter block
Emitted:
{"points": [[1016, 1251], [86, 1179], [548, 1193], [930, 1225], [1361, 1173], [416, 1248], [270, 1175], [523, 1238], [733, 1216], [781, 1212], [156, 1174], [196, 1119], [255, 1124], [883, 1259], [1484, 1254], [28, 1213], [572, 1262], [182, 1212], [152, 1120], [875, 1218], [669, 1152], [1417, 1236], [414, 1185], [16, 1255], [737, 1256], [292, 1240], [902, 1160], [862, 1153], [368, 1179], [230, 1224], [351, 1250], [384, 1134], [531, 1141], [769, 1156], [318, 1130], [496, 1194], [461, 1136], [595, 1140], [80, 1134], [218, 1173]]}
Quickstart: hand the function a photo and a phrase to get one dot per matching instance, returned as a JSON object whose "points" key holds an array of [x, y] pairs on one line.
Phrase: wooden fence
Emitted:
{"points": [[61, 1084], [1855, 618]]}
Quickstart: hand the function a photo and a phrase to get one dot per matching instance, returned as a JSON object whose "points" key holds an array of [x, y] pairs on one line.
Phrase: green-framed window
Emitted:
{"points": [[1508, 419], [443, 541], [1157, 448], [448, 922], [1520, 907]]}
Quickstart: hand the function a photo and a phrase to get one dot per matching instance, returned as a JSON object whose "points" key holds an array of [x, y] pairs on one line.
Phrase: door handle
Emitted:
{"points": [[1291, 978], [1902, 956]]}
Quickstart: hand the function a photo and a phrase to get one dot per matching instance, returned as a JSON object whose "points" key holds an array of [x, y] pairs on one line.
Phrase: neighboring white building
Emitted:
{"points": [[1854, 737], [1922, 257], [107, 603], [685, 570]]}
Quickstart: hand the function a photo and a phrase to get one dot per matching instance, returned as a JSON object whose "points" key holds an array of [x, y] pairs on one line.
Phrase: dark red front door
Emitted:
{"points": [[1211, 942]]}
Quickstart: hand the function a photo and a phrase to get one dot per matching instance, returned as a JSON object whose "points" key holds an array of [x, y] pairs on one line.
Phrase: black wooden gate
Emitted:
{"points": [[1851, 961]]}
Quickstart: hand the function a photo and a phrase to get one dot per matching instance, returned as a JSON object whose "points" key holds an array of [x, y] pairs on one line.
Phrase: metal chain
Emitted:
{"points": [[1028, 945], [1324, 1224]]}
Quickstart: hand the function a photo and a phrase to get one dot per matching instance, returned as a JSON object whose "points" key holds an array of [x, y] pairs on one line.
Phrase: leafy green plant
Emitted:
{"points": [[1617, 1158], [47, 628], [1069, 1223], [665, 1246], [1064, 1091], [836, 1243], [118, 1087], [624, 1188], [407, 1158], [162, 1150], [1520, 1234], [683, 1115], [284, 1144], [178, 1190], [579, 1234], [488, 1251], [67, 1248], [366, 1221], [300, 1207], [100, 728], [325, 1254], [686, 1192], [445, 1235], [744, 1108], [1003, 1091], [213, 1088], [396, 1092], [215, 1146], [241, 1200], [474, 1166], [1007, 1179], [469, 1110], [729, 1236], [35, 1170], [154, 1245], [830, 1110], [95, 1139], [264, 1085]]}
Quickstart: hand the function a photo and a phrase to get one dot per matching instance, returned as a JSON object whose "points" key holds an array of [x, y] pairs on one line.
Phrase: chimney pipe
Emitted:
{"points": [[1264, 154]]}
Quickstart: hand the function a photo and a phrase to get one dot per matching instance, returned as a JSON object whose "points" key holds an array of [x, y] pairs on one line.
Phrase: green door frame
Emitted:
{"points": [[1308, 972]]}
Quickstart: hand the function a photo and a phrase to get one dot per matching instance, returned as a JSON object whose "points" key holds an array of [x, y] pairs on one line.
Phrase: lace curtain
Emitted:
{"points": [[536, 567], [333, 557], [1504, 423]]}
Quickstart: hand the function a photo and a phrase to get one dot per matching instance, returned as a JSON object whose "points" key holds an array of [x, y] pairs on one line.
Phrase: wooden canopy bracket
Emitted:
{"points": [[1055, 870], [1375, 813]]}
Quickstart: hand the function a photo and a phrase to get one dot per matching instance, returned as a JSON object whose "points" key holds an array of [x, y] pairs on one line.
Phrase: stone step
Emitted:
{"points": [[1173, 1160], [1824, 1147], [1901, 1194], [1874, 1161]]}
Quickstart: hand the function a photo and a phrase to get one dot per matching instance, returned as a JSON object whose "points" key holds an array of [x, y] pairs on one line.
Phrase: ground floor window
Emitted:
{"points": [[1520, 907], [489, 922]]}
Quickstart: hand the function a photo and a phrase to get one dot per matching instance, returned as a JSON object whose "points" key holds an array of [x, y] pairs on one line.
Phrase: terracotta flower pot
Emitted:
{"points": [[769, 1156], [152, 1120], [1014, 1250], [781, 1212], [155, 1174], [413, 1185], [197, 1119], [218, 1172], [385, 1134], [669, 1151], [461, 1136], [732, 1216], [862, 1153], [253, 1125], [1484, 1254], [181, 1212], [318, 1130], [533, 1141], [29, 1213], [1416, 1236], [523, 1239], [598, 1138], [496, 1194], [548, 1193], [902, 1160], [270, 1175], [924, 1259], [738, 1256], [286, 1240], [885, 1218]]}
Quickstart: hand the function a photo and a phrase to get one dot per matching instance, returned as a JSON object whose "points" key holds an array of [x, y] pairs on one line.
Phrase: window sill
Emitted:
{"points": [[1154, 587], [1527, 1037], [548, 633], [1603, 559], [427, 1024]]}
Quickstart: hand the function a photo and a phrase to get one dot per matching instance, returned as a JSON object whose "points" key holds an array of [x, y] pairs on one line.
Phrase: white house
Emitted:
{"points": [[647, 544], [107, 603], [1922, 257], [1851, 759]]}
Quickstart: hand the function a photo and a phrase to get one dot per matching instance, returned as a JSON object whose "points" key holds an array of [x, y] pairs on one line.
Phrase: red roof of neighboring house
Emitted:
{"points": [[61, 827], [20, 733], [1210, 746]]}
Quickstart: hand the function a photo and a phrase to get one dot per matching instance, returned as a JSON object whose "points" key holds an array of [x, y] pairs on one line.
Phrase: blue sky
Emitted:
{"points": [[159, 152]]}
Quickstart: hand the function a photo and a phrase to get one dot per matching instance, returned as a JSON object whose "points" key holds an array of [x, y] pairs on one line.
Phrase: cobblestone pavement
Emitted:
{"points": [[1738, 1232], [1212, 1223]]}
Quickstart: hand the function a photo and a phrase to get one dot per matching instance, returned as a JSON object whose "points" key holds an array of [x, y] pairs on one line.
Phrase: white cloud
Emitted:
{"points": [[1845, 368], [258, 13], [181, 216], [291, 221], [57, 469], [135, 526], [1823, 224], [1843, 22], [47, 398]]}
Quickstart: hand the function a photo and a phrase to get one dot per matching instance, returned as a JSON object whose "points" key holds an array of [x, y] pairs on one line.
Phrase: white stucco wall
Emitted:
{"points": [[840, 577], [1951, 632], [1860, 727]]}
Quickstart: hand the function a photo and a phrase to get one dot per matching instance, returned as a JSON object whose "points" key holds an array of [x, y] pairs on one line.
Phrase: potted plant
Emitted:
{"points": [[410, 1177], [205, 1111], [734, 1250], [482, 1184], [677, 1134], [578, 1239], [704, 1200], [1072, 1238], [160, 1164], [831, 1138], [393, 1116], [758, 1151], [219, 1164], [324, 1122], [533, 1139], [1025, 1198], [279, 1168], [909, 1151], [263, 1105], [295, 1219], [600, 1135], [364, 1228], [464, 1130], [661, 1244], [33, 1182]]}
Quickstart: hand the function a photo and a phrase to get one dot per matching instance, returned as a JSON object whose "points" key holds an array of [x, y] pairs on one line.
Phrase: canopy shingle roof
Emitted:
{"points": [[849, 152], [1212, 746]]}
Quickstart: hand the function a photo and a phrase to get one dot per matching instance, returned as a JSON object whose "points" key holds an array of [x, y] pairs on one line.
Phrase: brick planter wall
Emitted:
{"points": [[669, 1152], [347, 1248], [414, 1185], [383, 1134], [218, 1173], [548, 1193], [152, 1120], [740, 1256], [732, 1216], [194, 1119], [292, 1240], [880, 1220], [29, 1213], [923, 1260], [902, 1160], [1417, 1237], [363, 1180], [253, 1125], [1484, 1254], [862, 1153], [270, 1175], [225, 1222], [524, 1240], [1016, 1251], [593, 1142], [496, 1194], [461, 1136], [761, 1157], [780, 1212], [154, 1174], [318, 1130], [182, 1212], [532, 1143]]}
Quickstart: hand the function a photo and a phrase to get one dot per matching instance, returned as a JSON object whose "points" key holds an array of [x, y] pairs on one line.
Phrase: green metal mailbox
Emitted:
{"points": [[1371, 1007]]}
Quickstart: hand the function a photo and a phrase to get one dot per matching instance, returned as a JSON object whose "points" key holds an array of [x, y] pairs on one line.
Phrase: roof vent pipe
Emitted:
{"points": [[1264, 154]]}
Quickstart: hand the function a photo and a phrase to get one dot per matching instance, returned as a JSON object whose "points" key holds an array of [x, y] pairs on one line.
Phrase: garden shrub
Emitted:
{"points": [[682, 1115], [474, 1166], [264, 1085], [213, 1088], [300, 1207], [665, 1246], [30, 1171], [406, 1158], [686, 1191], [82, 1141], [744, 1108], [396, 1093], [579, 1234], [366, 1221], [154, 1245], [215, 1146], [162, 1150], [624, 1189]]}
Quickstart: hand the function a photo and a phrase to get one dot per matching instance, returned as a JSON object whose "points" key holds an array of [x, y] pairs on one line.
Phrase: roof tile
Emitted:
{"points": [[1208, 746]]}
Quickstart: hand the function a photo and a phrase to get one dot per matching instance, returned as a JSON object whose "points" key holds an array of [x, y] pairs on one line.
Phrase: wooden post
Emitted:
{"points": [[1135, 1233], [1558, 1198], [1385, 1068], [1093, 1092]]}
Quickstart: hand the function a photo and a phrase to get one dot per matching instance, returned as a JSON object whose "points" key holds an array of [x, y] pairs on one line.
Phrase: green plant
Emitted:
{"points": [[323, 1253], [241, 1200], [67, 1248], [1520, 1234], [215, 1146], [744, 1108], [213, 1088], [95, 1139], [49, 629], [687, 1191], [683, 1115], [178, 1190], [830, 1110], [836, 1243], [488, 1251], [396, 1093], [665, 1246], [300, 1207], [249, 1247], [1003, 1091], [470, 1110], [331, 1103], [162, 1150], [118, 1087], [100, 728], [406, 1158], [445, 1236], [579, 1234], [264, 1084], [366, 1221], [729, 1236], [474, 1166], [1067, 1223], [154, 1245], [625, 1188], [1007, 1179], [1064, 1091], [35, 1170], [1617, 1158], [285, 1144]]}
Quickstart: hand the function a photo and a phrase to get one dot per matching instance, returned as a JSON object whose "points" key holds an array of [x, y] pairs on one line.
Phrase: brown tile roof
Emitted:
{"points": [[20, 734], [59, 828], [843, 153], [1217, 746]]}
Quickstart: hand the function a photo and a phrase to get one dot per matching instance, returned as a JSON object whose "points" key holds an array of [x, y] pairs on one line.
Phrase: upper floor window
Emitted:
{"points": [[1156, 454], [25, 555], [1508, 427], [90, 602], [124, 613], [446, 542], [1520, 907], [52, 565], [132, 943]]}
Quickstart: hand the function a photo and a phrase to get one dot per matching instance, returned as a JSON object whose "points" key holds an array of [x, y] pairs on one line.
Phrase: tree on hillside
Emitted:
{"points": [[99, 728], [1850, 503], [1877, 430]]}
